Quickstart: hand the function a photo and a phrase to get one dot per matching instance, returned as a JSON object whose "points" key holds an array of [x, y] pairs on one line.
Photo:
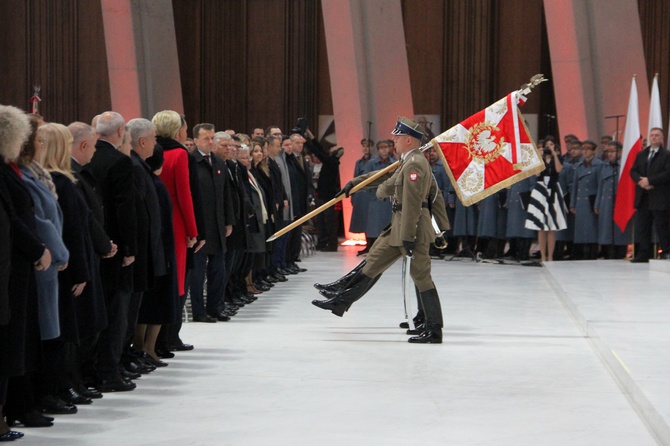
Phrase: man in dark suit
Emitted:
{"points": [[301, 181], [218, 214], [651, 173], [113, 172], [91, 311]]}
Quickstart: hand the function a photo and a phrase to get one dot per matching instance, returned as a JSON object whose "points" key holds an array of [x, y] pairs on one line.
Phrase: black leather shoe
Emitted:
{"points": [[115, 385], [336, 306], [271, 279], [128, 374], [155, 362], [11, 436], [30, 419], [89, 393], [639, 260], [297, 269], [429, 336], [53, 405], [137, 366], [164, 354], [73, 397], [281, 274], [259, 286], [206, 318], [291, 269], [182, 347], [222, 316]]}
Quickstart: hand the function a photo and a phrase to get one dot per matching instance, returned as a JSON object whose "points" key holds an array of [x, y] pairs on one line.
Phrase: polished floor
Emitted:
{"points": [[575, 353]]}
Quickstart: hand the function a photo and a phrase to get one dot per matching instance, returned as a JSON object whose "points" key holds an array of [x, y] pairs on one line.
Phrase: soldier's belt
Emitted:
{"points": [[397, 207]]}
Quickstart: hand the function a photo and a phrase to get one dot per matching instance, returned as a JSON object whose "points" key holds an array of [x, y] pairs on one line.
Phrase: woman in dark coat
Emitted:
{"points": [[260, 169], [161, 304], [19, 331], [77, 282]]}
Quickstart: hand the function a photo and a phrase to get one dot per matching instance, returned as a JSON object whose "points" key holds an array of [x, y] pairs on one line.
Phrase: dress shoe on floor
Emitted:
{"points": [[280, 277], [206, 318], [11, 436], [639, 260], [127, 374], [53, 405], [164, 354], [429, 336], [89, 393], [115, 385], [221, 316], [73, 397], [155, 362], [181, 347], [271, 279], [30, 419]]}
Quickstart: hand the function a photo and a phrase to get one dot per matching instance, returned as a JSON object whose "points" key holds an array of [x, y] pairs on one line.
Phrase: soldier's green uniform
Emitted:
{"points": [[414, 193]]}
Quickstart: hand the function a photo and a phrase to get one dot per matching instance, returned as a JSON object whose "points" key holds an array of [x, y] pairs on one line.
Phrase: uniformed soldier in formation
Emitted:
{"points": [[565, 237], [492, 225], [411, 232], [378, 209], [359, 202], [582, 202], [518, 197]]}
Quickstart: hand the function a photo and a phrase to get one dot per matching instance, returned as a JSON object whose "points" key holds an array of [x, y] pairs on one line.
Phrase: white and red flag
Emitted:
{"points": [[632, 145], [655, 118], [489, 151]]}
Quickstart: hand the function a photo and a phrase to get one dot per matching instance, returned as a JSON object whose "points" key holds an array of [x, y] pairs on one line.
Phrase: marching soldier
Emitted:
{"points": [[411, 232]]}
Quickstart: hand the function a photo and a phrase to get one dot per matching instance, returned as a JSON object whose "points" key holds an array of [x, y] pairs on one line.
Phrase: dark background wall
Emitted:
{"points": [[252, 63]]}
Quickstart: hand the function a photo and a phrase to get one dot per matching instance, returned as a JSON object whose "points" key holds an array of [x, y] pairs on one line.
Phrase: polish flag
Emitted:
{"points": [[632, 145], [655, 118]]}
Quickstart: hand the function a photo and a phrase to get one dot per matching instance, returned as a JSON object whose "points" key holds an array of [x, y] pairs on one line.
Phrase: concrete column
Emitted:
{"points": [[141, 57], [121, 62], [369, 74], [157, 57]]}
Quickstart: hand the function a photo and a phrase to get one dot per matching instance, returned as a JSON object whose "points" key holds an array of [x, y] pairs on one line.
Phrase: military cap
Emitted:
{"points": [[405, 126]]}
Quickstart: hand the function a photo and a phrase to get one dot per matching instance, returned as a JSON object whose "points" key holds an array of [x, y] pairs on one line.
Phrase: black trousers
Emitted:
{"points": [[112, 338], [645, 219], [327, 225], [294, 244]]}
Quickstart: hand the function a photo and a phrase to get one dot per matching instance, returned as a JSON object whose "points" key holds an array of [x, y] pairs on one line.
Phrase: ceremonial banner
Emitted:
{"points": [[489, 151]]}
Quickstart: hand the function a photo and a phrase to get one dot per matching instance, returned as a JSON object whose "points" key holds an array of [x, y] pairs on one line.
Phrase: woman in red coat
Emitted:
{"points": [[175, 175]]}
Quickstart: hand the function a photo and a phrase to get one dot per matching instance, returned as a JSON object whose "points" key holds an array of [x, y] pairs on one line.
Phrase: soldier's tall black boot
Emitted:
{"points": [[342, 282], [420, 317], [359, 285], [432, 332]]}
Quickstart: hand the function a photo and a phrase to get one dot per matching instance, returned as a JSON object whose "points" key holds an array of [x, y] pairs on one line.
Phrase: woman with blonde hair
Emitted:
{"points": [[179, 178], [79, 285]]}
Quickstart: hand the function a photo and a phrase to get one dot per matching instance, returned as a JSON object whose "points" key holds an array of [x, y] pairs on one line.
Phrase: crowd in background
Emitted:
{"points": [[580, 186], [107, 228]]}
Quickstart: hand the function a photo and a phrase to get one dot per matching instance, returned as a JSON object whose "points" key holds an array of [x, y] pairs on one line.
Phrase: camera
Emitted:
{"points": [[300, 127], [547, 152]]}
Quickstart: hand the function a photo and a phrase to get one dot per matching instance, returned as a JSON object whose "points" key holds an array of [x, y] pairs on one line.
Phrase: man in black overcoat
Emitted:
{"points": [[113, 172], [651, 173]]}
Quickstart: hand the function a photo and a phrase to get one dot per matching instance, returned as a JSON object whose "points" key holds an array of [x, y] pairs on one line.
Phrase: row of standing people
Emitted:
{"points": [[108, 227]]}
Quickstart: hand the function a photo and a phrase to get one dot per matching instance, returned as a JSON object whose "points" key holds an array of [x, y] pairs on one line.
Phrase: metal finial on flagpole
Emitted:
{"points": [[534, 82]]}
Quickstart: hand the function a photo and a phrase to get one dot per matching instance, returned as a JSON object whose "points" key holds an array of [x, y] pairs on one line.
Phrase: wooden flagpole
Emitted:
{"points": [[332, 202]]}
